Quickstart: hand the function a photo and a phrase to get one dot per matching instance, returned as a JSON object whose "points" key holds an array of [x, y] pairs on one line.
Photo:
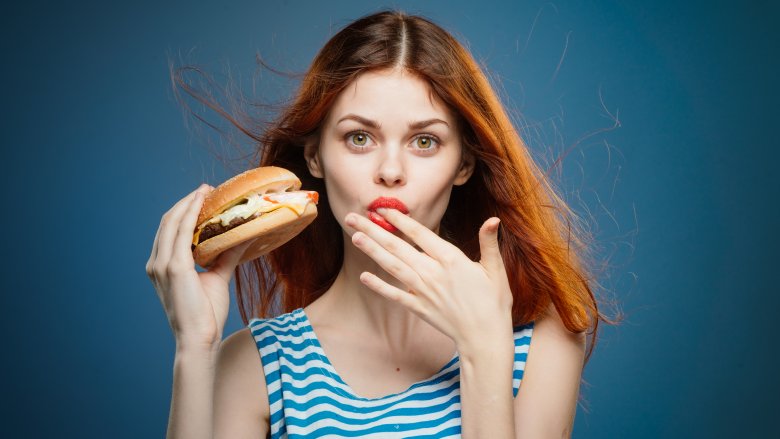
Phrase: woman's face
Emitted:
{"points": [[370, 148]]}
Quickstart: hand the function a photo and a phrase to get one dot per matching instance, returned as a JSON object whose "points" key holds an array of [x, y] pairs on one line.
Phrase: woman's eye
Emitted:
{"points": [[359, 139], [424, 142]]}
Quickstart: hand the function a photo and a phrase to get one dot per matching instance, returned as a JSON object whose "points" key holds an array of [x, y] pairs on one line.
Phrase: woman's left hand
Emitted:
{"points": [[461, 298]]}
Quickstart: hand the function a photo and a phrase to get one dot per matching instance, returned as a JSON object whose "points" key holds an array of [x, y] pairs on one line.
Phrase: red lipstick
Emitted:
{"points": [[387, 202]]}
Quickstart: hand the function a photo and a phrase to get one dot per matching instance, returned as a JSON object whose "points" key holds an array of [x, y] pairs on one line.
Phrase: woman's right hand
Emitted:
{"points": [[196, 303]]}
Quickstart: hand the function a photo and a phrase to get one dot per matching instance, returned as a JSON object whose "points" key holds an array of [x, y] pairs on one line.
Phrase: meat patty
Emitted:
{"points": [[214, 229]]}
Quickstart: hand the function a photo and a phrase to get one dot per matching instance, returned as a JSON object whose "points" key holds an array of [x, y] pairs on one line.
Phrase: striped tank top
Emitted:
{"points": [[309, 399]]}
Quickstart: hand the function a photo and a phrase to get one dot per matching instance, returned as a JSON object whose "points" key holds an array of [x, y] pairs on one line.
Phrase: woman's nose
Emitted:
{"points": [[390, 171]]}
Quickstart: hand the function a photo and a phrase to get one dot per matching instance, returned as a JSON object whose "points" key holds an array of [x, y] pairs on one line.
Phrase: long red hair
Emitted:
{"points": [[545, 248]]}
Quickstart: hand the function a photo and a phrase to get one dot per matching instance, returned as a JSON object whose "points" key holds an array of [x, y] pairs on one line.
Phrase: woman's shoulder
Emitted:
{"points": [[239, 347]]}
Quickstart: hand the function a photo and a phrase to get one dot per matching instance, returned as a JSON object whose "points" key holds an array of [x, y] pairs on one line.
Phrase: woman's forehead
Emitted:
{"points": [[387, 93]]}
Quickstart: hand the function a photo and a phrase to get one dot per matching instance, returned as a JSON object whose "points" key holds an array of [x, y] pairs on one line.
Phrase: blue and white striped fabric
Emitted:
{"points": [[309, 399]]}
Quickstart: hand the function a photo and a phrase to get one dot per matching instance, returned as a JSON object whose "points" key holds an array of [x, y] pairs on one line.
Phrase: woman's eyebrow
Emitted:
{"points": [[376, 125]]}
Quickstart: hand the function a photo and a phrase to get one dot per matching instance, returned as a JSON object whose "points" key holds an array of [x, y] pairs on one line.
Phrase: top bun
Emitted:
{"points": [[262, 180]]}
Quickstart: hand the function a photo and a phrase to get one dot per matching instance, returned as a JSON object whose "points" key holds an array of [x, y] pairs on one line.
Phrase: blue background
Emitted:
{"points": [[681, 195]]}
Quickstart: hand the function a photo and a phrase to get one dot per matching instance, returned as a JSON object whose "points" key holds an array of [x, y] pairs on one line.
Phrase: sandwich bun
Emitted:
{"points": [[268, 207]]}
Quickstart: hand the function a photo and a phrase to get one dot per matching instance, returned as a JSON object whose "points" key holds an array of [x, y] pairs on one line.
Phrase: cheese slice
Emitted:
{"points": [[263, 203]]}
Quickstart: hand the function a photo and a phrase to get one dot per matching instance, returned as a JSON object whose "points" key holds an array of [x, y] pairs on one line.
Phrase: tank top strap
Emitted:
{"points": [[522, 336]]}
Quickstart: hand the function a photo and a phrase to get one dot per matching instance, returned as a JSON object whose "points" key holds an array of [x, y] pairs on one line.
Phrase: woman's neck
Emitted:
{"points": [[362, 310]]}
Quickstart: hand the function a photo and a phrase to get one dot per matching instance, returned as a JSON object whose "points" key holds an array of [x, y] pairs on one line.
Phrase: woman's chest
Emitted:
{"points": [[372, 372]]}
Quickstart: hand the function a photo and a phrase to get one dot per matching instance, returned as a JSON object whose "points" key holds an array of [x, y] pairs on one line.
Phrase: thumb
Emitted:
{"points": [[226, 262], [489, 251]]}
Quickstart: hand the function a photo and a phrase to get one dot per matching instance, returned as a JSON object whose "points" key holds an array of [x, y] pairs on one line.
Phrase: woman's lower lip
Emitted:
{"points": [[389, 202], [381, 222]]}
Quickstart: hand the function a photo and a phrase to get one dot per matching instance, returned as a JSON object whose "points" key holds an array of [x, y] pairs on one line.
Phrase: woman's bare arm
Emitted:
{"points": [[220, 394], [546, 403], [191, 414]]}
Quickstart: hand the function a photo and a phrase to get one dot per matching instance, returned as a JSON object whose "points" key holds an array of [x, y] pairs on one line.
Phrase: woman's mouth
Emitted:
{"points": [[389, 203]]}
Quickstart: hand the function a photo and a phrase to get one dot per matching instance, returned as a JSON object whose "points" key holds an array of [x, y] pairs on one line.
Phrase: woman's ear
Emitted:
{"points": [[312, 155], [466, 169]]}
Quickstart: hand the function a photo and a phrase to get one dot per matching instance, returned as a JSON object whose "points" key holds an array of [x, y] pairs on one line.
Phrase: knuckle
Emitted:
{"points": [[167, 219], [449, 258], [179, 266], [415, 306], [395, 267], [391, 247], [174, 268], [158, 269], [438, 280]]}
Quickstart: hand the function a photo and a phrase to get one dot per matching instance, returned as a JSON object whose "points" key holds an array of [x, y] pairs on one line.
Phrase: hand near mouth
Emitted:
{"points": [[463, 299]]}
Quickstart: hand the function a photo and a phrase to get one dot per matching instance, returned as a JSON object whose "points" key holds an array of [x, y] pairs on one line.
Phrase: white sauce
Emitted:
{"points": [[294, 200]]}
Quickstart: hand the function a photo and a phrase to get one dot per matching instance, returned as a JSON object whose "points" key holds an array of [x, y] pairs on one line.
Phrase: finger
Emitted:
{"points": [[489, 250], [429, 242], [153, 256], [389, 262], [170, 227], [392, 243], [405, 298], [182, 248]]}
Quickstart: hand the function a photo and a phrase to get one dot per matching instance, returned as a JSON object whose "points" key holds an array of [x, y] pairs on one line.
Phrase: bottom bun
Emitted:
{"points": [[269, 231]]}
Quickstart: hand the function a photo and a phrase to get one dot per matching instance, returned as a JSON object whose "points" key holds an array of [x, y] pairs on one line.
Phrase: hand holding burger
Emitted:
{"points": [[245, 217]]}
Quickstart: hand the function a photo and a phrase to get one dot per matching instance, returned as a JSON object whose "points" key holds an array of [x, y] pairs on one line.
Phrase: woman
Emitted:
{"points": [[413, 320]]}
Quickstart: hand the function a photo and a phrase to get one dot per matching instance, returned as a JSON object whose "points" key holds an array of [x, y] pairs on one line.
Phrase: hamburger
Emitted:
{"points": [[264, 204]]}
